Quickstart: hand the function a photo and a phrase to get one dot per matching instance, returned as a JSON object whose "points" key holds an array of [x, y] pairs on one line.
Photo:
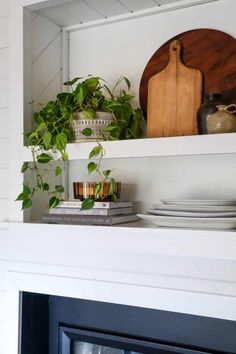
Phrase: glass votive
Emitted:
{"points": [[83, 190]]}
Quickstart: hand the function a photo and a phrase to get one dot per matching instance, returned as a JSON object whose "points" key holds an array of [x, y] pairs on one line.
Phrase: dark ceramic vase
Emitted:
{"points": [[206, 109]]}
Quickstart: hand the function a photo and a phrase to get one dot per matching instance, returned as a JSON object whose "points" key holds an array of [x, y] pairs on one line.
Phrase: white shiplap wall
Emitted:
{"points": [[2, 306], [4, 109], [4, 140]]}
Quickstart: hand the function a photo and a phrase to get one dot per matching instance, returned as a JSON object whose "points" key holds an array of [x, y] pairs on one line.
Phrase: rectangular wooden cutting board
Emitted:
{"points": [[174, 95]]}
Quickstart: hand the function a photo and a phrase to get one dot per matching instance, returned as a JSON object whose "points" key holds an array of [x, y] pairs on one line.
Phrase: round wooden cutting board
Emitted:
{"points": [[211, 51]]}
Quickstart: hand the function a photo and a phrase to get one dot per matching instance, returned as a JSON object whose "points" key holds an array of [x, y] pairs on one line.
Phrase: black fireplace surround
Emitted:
{"points": [[51, 324]]}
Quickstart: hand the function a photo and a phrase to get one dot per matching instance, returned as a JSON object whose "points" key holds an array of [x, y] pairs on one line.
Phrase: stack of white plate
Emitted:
{"points": [[192, 213]]}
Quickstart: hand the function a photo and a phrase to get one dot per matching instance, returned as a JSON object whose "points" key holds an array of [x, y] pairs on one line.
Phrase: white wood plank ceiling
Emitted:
{"points": [[71, 12]]}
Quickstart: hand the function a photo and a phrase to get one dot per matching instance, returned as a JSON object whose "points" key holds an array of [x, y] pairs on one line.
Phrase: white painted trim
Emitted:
{"points": [[11, 325], [204, 244], [107, 292], [160, 299], [42, 4], [110, 264], [27, 81], [154, 147], [65, 77], [137, 14]]}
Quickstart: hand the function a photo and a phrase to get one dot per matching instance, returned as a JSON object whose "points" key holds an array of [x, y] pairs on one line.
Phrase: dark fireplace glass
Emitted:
{"points": [[79, 347], [81, 341], [60, 325]]}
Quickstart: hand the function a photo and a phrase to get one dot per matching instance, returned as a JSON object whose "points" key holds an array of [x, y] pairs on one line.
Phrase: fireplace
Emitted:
{"points": [[63, 325]]}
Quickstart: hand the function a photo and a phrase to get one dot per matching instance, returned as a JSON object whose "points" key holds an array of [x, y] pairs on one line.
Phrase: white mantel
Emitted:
{"points": [[188, 271]]}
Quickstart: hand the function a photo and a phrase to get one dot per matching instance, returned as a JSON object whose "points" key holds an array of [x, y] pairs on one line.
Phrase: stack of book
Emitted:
{"points": [[103, 213]]}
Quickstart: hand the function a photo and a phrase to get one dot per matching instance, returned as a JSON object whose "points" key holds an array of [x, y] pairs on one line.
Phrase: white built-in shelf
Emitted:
{"points": [[155, 147], [79, 14], [214, 244]]}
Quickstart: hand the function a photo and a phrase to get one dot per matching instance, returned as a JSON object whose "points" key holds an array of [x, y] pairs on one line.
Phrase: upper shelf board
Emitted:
{"points": [[155, 147], [84, 13]]}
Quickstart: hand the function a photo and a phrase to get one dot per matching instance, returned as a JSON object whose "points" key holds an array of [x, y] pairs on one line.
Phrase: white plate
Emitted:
{"points": [[191, 213], [199, 202], [199, 223], [199, 208]]}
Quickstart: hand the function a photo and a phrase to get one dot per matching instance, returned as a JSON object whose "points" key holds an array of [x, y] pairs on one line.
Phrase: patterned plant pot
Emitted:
{"points": [[97, 125]]}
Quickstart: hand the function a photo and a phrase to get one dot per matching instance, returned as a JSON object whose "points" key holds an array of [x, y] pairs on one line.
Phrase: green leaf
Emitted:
{"points": [[138, 114], [65, 98], [35, 117], [112, 188], [24, 167], [114, 105], [32, 135], [38, 118], [45, 186], [126, 97], [89, 113], [95, 151], [92, 166], [87, 204], [114, 197], [41, 126], [58, 170], [94, 102], [59, 188], [25, 193], [72, 82], [87, 131], [47, 139], [127, 82], [112, 128], [80, 95], [27, 202], [61, 141], [114, 131], [21, 196], [44, 158], [32, 140], [97, 189], [26, 190], [65, 156], [53, 202], [92, 83], [106, 173]]}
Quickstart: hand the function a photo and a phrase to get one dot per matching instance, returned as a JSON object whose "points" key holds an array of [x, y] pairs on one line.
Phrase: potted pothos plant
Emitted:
{"points": [[90, 116], [54, 129]]}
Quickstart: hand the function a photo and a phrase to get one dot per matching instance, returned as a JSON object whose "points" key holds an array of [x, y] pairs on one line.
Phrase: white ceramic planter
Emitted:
{"points": [[98, 126]]}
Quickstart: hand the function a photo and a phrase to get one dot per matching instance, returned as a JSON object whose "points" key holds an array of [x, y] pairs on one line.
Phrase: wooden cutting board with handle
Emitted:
{"points": [[174, 95]]}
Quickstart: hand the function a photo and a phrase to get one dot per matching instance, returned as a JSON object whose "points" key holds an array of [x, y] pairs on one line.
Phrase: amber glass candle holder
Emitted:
{"points": [[83, 190]]}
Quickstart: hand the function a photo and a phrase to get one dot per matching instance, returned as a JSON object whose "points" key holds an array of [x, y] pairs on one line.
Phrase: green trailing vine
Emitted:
{"points": [[104, 175], [53, 131]]}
